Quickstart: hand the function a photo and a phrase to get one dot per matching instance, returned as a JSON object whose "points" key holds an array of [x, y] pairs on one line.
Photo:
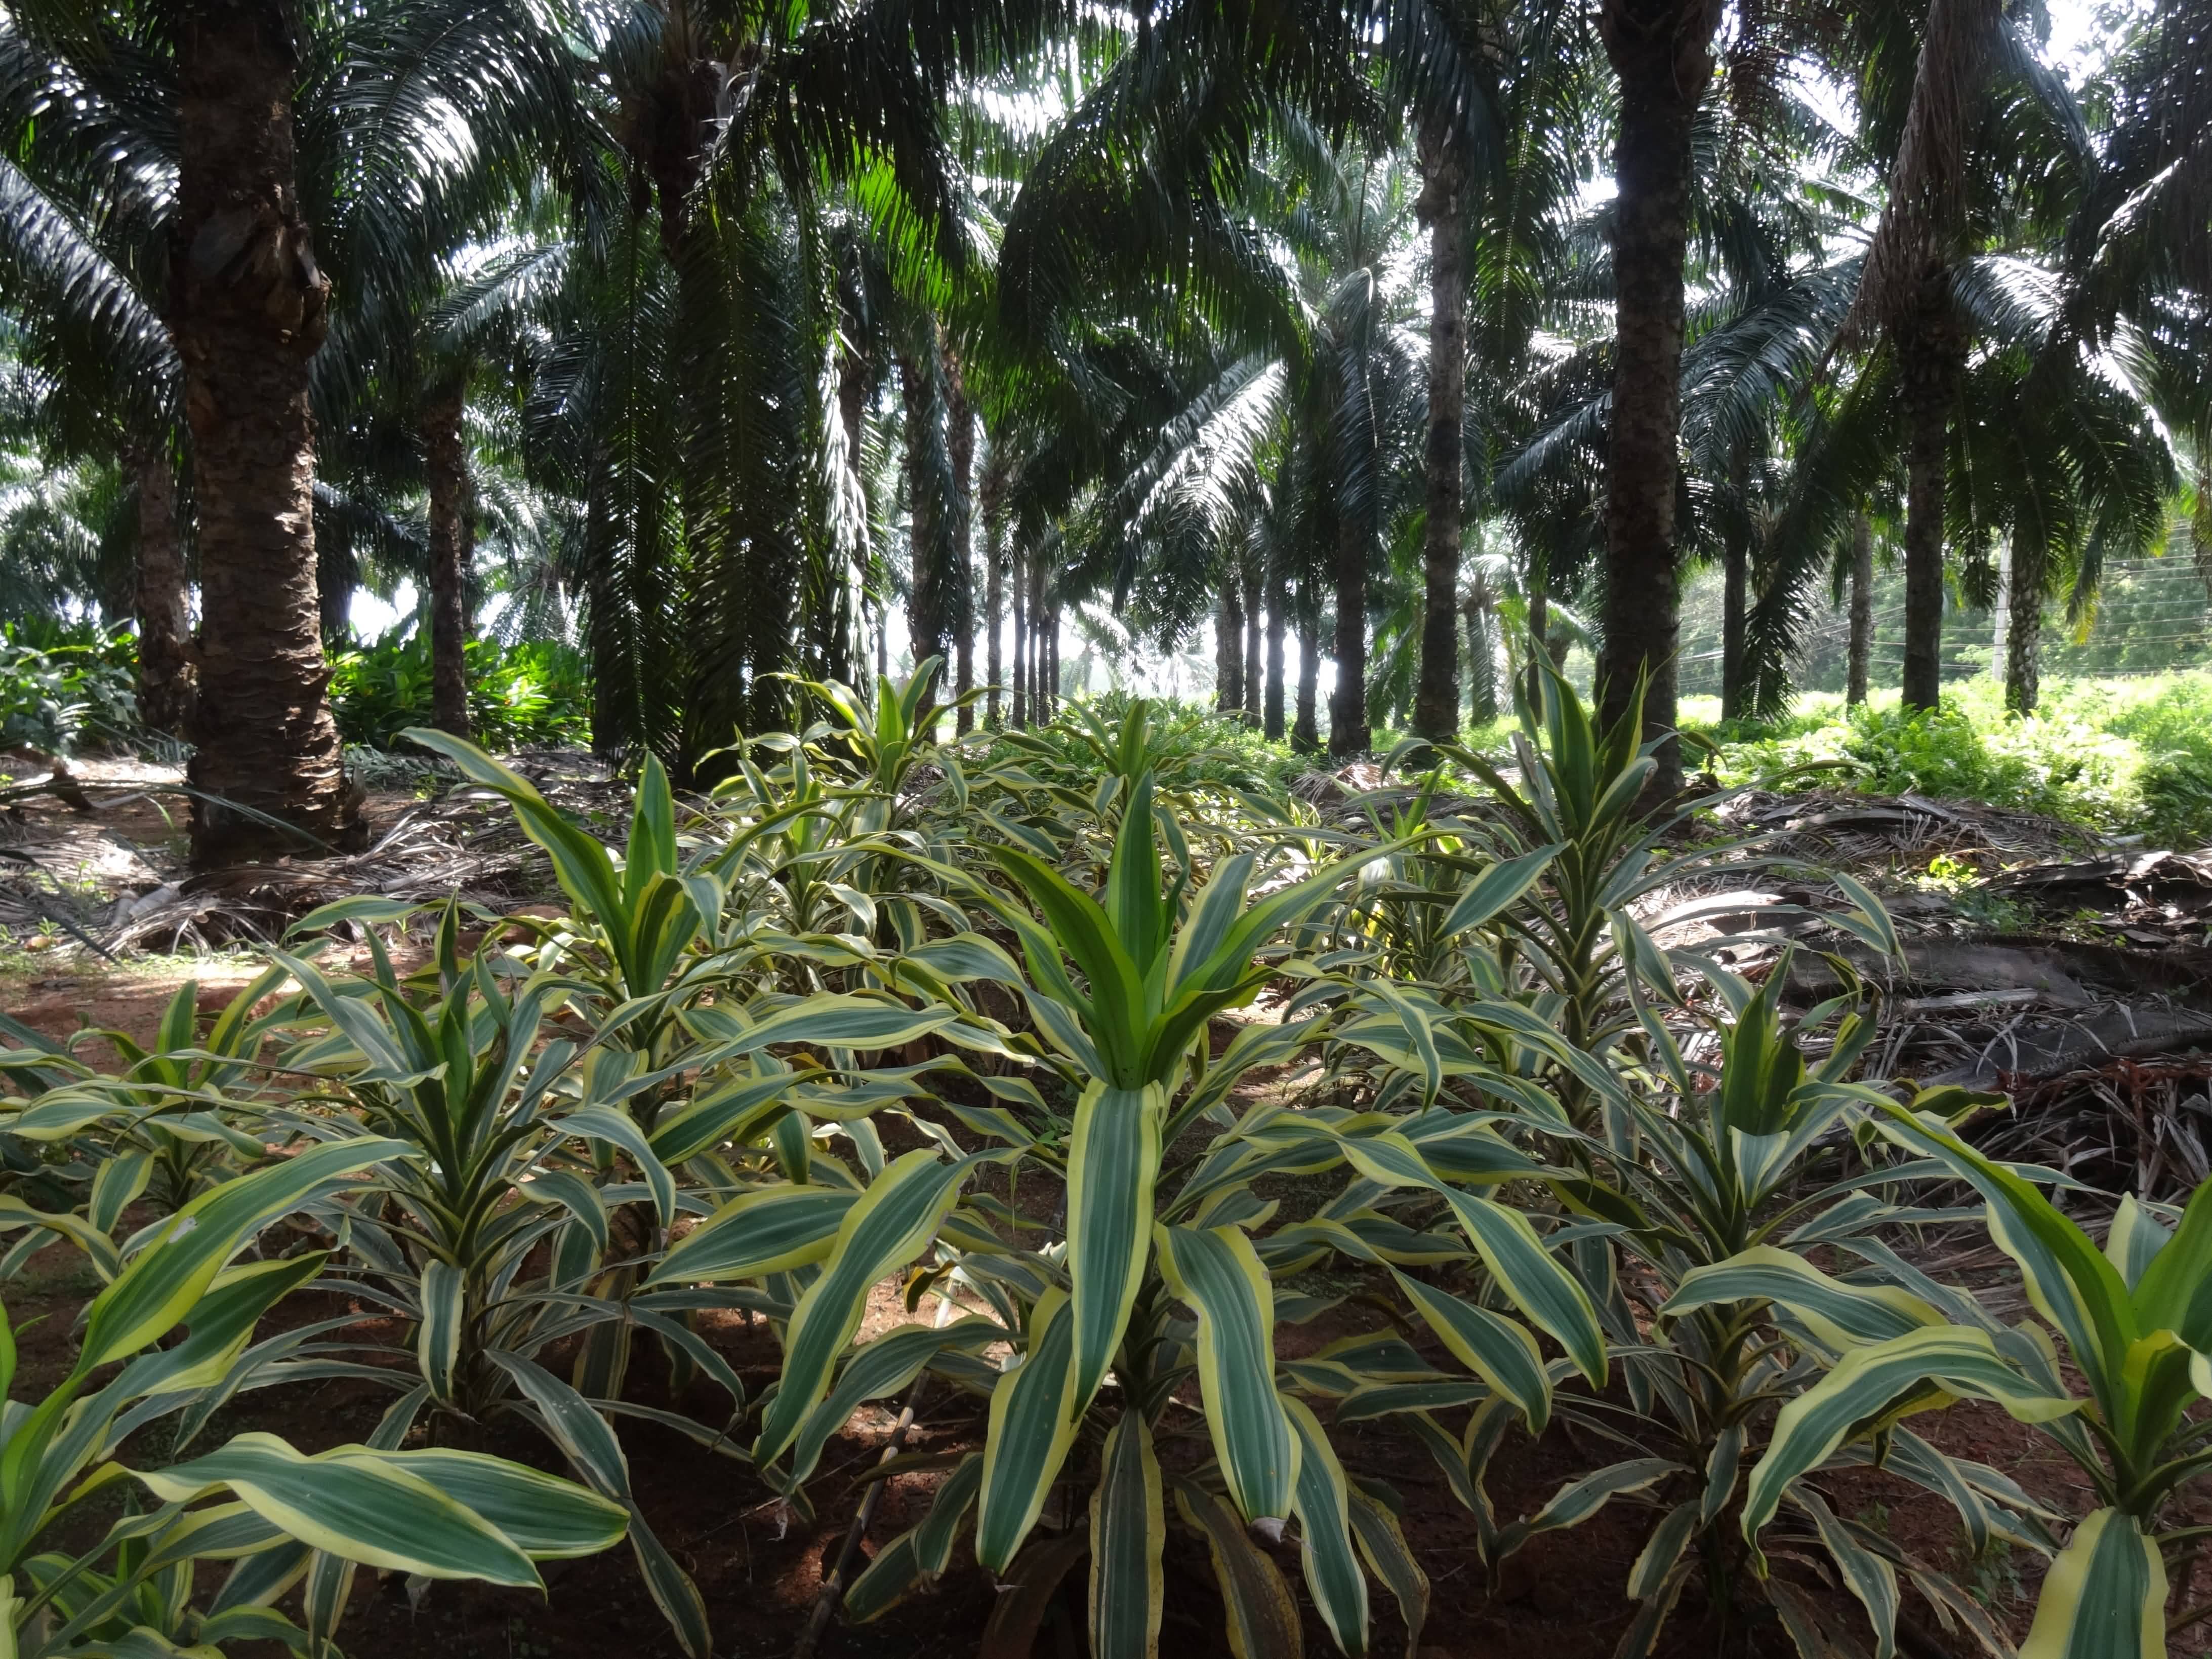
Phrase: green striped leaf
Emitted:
{"points": [[1531, 1279], [833, 1021], [1128, 1534], [164, 1280], [1493, 1347], [770, 1230], [1663, 1550], [1215, 1271], [892, 1576], [1840, 1317], [2066, 1276], [1866, 1575], [1323, 1502], [546, 1517], [1113, 1166], [592, 1450], [2103, 1597], [1263, 1617], [893, 1223], [354, 1504], [1382, 1545], [1028, 1435], [445, 1311], [940, 1529], [1499, 886], [1920, 1369], [881, 1367], [1579, 1500]]}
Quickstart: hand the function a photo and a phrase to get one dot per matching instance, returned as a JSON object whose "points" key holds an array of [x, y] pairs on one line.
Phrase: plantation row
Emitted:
{"points": [[1597, 1181]]}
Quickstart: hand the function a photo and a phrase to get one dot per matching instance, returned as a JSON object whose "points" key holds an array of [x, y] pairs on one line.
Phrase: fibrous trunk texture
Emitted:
{"points": [[1481, 654], [251, 306], [160, 599], [1305, 732], [451, 539], [1441, 209], [1662, 51], [993, 500], [1736, 607], [1348, 733], [1932, 361], [1229, 649], [960, 449], [1255, 669], [1861, 643], [927, 618], [1021, 710], [2024, 624], [1270, 711]]}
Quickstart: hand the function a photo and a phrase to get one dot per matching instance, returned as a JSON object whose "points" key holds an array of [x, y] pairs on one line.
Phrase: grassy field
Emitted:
{"points": [[2125, 756]]}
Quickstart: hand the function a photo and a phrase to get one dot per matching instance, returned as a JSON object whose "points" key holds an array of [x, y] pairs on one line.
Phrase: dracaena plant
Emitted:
{"points": [[161, 1132], [488, 1226], [255, 1502], [1579, 806], [1694, 1200], [632, 920], [1121, 985], [2136, 1321]]}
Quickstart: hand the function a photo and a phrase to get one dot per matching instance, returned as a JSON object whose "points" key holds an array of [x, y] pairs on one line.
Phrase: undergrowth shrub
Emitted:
{"points": [[66, 686], [2121, 756], [536, 692]]}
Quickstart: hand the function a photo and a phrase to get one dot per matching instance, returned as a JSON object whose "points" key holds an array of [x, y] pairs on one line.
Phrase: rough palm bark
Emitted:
{"points": [[1661, 52], [1229, 650], [452, 545], [1931, 346], [160, 599], [1255, 669], [1021, 704], [252, 307], [1443, 210], [992, 499], [1270, 707], [2023, 641], [1305, 731], [1349, 735], [1862, 622], [926, 614], [1736, 610], [960, 448], [1481, 652]]}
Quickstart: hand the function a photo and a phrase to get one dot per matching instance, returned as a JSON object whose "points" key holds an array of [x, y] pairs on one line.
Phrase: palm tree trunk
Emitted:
{"points": [[1255, 670], [251, 310], [994, 503], [160, 598], [1348, 732], [960, 446], [1305, 732], [1441, 209], [2024, 624], [1735, 605], [1229, 650], [925, 607], [1050, 690], [1934, 361], [1271, 708], [1021, 644], [1861, 644], [1661, 50], [1481, 654], [450, 545]]}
